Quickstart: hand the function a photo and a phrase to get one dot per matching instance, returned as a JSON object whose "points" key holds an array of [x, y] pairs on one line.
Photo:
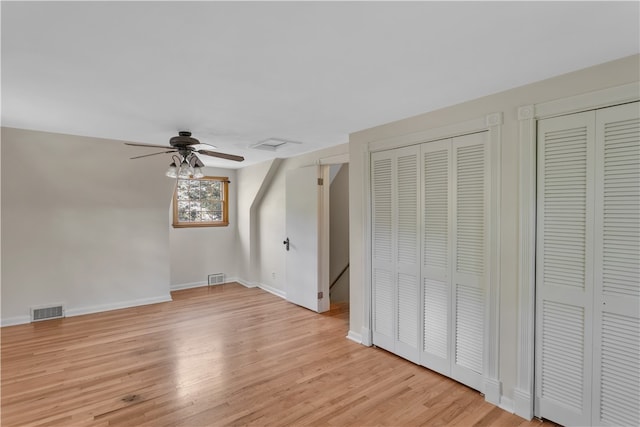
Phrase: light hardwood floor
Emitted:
{"points": [[221, 355]]}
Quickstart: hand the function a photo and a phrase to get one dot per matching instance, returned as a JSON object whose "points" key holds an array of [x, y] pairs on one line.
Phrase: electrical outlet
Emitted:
{"points": [[273, 275]]}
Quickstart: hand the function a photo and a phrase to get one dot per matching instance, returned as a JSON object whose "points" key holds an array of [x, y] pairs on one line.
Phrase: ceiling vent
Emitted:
{"points": [[273, 144]]}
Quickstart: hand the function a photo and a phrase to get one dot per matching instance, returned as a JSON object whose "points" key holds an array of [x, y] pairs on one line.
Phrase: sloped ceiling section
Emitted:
{"points": [[236, 73]]}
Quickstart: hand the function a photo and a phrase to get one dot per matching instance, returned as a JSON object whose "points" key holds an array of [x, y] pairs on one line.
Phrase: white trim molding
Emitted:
{"points": [[16, 320], [190, 285], [492, 391], [79, 311], [434, 134], [248, 284], [528, 115], [245, 283], [493, 124], [506, 404], [70, 312], [367, 254], [335, 160], [523, 393], [354, 336], [366, 337], [275, 291]]}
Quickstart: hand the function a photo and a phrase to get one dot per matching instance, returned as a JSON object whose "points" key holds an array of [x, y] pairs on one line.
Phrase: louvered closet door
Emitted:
{"points": [[383, 248], [395, 245], [469, 258], [617, 264], [564, 282], [454, 176], [436, 256]]}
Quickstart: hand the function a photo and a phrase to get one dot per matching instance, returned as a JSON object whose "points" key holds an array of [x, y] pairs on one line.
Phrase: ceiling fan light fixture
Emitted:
{"points": [[197, 172], [185, 170], [172, 172], [189, 164]]}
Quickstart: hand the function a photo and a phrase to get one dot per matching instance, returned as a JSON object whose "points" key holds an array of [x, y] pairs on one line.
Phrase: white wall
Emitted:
{"points": [[81, 224], [200, 251], [253, 182], [611, 74]]}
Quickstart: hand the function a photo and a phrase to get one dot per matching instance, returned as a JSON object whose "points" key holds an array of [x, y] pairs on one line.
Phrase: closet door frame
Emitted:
{"points": [[528, 116], [492, 124]]}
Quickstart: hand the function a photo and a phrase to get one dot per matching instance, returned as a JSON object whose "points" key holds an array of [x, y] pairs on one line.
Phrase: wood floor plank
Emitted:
{"points": [[221, 355]]}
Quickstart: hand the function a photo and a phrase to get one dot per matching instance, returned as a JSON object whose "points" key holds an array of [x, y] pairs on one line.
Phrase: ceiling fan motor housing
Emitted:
{"points": [[183, 139]]}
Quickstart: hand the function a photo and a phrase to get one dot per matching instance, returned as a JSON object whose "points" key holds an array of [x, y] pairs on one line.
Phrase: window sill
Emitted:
{"points": [[202, 224]]}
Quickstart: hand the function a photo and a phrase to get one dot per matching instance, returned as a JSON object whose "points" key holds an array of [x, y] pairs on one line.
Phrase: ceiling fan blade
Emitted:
{"points": [[153, 154], [221, 155], [147, 145]]}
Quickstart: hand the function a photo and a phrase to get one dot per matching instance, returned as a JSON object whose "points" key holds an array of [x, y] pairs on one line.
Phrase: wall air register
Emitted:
{"points": [[46, 313], [216, 279]]}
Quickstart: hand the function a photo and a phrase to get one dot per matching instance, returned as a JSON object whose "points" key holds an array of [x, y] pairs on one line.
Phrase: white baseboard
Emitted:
{"points": [[506, 404], [277, 292], [492, 391], [181, 286], [70, 312], [365, 336], [16, 320], [355, 337], [523, 405], [245, 283]]}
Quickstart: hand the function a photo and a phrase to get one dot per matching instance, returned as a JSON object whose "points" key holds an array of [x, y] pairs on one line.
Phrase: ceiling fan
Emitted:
{"points": [[190, 164]]}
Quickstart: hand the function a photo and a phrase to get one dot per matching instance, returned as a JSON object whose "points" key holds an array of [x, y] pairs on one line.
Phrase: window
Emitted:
{"points": [[201, 202]]}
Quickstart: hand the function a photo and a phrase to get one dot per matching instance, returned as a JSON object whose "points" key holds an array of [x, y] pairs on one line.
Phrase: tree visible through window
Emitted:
{"points": [[201, 202]]}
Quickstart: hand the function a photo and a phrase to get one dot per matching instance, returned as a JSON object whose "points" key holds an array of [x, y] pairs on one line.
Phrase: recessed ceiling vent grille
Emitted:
{"points": [[46, 313], [273, 144]]}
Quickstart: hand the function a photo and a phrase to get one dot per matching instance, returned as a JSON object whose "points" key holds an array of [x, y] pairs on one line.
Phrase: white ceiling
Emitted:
{"points": [[236, 73]]}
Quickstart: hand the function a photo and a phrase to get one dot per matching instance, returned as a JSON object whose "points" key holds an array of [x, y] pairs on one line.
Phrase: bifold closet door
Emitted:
{"points": [[395, 251], [564, 283], [588, 279], [454, 256], [470, 252], [616, 399], [437, 213]]}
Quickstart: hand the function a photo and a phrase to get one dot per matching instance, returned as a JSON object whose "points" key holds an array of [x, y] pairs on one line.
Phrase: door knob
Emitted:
{"points": [[286, 243]]}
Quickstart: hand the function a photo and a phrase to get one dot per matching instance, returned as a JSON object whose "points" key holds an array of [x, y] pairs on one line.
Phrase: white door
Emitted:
{"points": [[304, 207], [470, 251], [429, 251], [588, 268], [616, 399], [564, 283], [454, 175], [396, 251], [436, 256]]}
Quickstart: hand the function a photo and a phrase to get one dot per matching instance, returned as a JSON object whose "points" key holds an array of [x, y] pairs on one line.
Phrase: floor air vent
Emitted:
{"points": [[216, 279], [46, 313]]}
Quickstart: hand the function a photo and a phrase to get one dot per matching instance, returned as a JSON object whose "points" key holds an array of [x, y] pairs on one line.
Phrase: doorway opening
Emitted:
{"points": [[339, 236]]}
